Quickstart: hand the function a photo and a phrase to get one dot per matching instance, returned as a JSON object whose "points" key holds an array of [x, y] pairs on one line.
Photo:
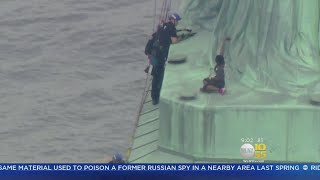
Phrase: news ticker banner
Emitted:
{"points": [[272, 169], [159, 171]]}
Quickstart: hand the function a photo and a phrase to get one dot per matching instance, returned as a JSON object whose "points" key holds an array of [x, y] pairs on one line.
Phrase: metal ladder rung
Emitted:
{"points": [[155, 119], [136, 137], [145, 144]]}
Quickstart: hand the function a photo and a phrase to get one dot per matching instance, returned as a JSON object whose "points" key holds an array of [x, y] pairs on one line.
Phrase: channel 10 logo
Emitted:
{"points": [[259, 151]]}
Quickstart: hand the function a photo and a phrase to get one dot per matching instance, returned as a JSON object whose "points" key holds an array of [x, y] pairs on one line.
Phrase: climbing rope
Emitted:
{"points": [[168, 8], [166, 5], [154, 15]]}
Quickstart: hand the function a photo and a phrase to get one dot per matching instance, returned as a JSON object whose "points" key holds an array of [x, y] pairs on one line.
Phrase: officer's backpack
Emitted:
{"points": [[149, 45], [153, 45]]}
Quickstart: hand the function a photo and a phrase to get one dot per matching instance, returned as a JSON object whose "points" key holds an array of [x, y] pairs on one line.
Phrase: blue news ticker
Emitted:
{"points": [[165, 167], [160, 171]]}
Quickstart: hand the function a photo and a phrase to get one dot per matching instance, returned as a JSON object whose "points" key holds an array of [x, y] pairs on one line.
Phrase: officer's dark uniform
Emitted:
{"points": [[168, 30], [117, 159]]}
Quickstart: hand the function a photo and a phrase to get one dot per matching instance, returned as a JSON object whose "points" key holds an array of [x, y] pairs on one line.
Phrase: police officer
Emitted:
{"points": [[117, 159], [167, 36]]}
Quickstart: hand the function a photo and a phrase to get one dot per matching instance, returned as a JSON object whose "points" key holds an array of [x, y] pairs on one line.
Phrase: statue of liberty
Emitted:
{"points": [[275, 43], [271, 64]]}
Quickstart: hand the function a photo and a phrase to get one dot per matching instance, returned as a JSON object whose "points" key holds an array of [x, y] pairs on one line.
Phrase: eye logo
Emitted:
{"points": [[247, 151]]}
